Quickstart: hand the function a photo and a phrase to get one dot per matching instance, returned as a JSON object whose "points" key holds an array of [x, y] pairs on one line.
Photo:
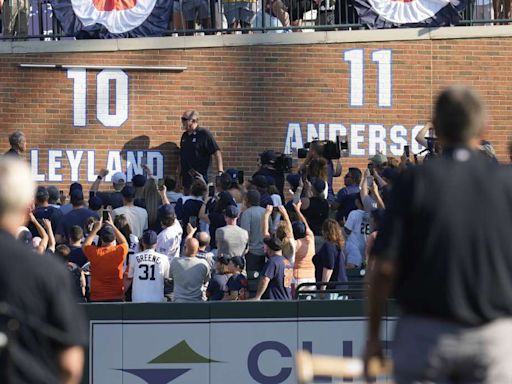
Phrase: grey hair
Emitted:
{"points": [[17, 189], [15, 138]]}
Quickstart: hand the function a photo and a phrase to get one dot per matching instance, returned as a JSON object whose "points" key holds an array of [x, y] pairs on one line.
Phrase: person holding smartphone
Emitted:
{"points": [[197, 146]]}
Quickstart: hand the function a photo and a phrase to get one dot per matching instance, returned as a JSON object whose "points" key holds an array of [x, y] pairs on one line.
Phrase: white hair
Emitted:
{"points": [[17, 189]]}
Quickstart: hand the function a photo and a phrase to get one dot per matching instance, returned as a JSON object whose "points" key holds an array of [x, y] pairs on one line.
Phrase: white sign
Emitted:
{"points": [[217, 351]]}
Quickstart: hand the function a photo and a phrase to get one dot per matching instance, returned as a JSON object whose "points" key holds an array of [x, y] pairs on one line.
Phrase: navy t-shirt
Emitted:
{"points": [[330, 256], [265, 200], [280, 272], [114, 199], [77, 256], [238, 283], [217, 286], [184, 211], [51, 213], [78, 217]]}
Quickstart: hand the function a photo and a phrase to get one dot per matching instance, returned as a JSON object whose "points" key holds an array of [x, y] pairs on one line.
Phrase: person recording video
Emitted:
{"points": [[268, 168]]}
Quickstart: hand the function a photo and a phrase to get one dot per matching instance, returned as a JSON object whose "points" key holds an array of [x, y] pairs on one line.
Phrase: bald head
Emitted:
{"points": [[191, 247], [204, 239]]}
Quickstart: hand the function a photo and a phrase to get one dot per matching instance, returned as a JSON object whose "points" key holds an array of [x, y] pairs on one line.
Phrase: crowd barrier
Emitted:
{"points": [[220, 342]]}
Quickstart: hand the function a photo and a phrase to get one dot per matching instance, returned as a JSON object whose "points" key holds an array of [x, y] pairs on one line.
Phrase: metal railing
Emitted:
{"points": [[335, 290], [34, 19]]}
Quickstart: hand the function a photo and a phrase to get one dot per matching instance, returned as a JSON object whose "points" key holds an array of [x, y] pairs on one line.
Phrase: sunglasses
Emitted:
{"points": [[185, 119]]}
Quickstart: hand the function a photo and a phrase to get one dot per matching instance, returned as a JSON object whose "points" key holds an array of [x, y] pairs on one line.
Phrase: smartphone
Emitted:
{"points": [[369, 180], [61, 192], [161, 184], [370, 168], [211, 190], [407, 151], [104, 214], [193, 221]]}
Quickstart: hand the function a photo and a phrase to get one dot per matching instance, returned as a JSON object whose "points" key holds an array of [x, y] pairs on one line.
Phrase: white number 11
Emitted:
{"points": [[356, 59]]}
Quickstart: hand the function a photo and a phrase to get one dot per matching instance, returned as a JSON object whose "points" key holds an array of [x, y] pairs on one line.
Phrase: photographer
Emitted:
{"points": [[268, 168]]}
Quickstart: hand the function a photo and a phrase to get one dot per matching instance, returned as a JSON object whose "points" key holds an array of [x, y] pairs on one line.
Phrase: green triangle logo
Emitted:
{"points": [[181, 353]]}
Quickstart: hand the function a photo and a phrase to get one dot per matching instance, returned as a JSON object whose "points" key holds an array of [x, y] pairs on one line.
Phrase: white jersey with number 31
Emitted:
{"points": [[148, 270]]}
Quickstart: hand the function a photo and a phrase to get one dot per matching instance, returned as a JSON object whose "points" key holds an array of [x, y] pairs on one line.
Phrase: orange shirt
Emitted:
{"points": [[303, 267], [106, 271]]}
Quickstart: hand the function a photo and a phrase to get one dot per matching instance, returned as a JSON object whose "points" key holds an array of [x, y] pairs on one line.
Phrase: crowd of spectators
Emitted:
{"points": [[187, 240]]}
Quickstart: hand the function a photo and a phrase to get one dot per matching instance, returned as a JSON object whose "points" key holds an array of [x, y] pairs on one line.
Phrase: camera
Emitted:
{"points": [[331, 150], [283, 163]]}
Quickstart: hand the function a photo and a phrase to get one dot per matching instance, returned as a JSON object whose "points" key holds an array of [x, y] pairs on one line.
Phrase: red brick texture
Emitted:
{"points": [[248, 95]]}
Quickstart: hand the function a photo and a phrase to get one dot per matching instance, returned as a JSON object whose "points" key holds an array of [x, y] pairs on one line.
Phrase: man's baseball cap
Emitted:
{"points": [[378, 159], [149, 237], [107, 233], [42, 193], [95, 203], [319, 185], [389, 173], [226, 198], [138, 181], [238, 261], [259, 181], [273, 243], [166, 210], [231, 211], [53, 193], [268, 157], [119, 177], [293, 179], [74, 186], [76, 197], [128, 192]]}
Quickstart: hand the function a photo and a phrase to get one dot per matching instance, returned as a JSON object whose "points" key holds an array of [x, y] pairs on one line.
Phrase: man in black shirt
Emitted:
{"points": [[445, 245], [267, 168], [45, 328], [197, 146], [18, 143]]}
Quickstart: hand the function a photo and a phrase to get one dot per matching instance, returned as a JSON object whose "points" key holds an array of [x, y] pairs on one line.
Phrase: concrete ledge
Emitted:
{"points": [[188, 42]]}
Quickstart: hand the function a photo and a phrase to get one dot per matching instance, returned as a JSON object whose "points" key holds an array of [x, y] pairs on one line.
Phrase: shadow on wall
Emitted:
{"points": [[169, 150]]}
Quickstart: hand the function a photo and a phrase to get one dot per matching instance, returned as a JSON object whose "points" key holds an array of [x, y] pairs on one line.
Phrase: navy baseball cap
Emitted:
{"points": [[233, 173], [231, 211], [268, 157], [166, 210], [53, 193], [139, 181], [293, 179], [107, 233], [128, 192], [299, 229], [75, 186], [238, 261], [149, 237], [77, 196], [226, 198], [259, 181], [95, 203], [319, 185]]}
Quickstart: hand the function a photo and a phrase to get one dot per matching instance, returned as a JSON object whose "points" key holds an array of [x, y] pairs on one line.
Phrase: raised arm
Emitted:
{"points": [[338, 170], [101, 176], [119, 236], [363, 185], [420, 137], [377, 197], [191, 231], [42, 233], [51, 238], [266, 218], [163, 195], [284, 215], [95, 229], [301, 217]]}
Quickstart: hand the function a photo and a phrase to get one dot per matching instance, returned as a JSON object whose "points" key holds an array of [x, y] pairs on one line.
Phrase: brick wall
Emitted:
{"points": [[248, 95]]}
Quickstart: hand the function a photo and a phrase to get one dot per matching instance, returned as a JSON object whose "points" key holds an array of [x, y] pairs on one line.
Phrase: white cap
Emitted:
{"points": [[118, 177]]}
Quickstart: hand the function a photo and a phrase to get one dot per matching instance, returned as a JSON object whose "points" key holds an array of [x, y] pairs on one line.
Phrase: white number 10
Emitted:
{"points": [[356, 59], [103, 79]]}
